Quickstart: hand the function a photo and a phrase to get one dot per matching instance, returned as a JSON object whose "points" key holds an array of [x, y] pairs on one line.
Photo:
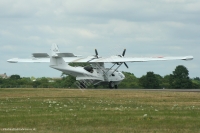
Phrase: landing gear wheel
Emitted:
{"points": [[116, 86], [111, 85], [95, 86]]}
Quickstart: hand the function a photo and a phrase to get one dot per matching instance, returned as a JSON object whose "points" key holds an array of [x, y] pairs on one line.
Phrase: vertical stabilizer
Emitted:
{"points": [[56, 61], [54, 50]]}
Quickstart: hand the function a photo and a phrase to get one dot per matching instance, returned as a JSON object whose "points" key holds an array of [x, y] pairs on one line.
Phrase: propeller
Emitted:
{"points": [[96, 52], [96, 56], [125, 64], [123, 54]]}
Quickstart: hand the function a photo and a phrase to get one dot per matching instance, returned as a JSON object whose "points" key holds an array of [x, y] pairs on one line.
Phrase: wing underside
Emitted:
{"points": [[43, 58]]}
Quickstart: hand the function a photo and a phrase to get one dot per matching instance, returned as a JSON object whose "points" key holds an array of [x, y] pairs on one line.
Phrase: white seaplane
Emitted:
{"points": [[96, 73]]}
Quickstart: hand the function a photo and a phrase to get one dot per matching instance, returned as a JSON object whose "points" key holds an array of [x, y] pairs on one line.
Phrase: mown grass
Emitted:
{"points": [[112, 111]]}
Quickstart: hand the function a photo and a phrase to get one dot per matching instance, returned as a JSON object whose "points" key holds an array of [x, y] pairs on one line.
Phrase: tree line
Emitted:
{"points": [[179, 79]]}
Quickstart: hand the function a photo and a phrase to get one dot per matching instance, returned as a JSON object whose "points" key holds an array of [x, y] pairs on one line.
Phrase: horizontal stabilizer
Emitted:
{"points": [[40, 55], [65, 55], [45, 55]]}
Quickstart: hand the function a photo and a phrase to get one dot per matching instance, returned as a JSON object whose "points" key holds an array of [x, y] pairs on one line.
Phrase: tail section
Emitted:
{"points": [[55, 60], [54, 50]]}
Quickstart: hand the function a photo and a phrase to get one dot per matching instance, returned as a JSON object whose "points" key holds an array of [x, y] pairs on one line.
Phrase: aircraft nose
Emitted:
{"points": [[122, 75]]}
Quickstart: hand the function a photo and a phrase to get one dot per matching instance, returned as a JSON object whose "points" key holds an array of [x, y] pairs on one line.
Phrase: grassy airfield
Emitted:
{"points": [[88, 111]]}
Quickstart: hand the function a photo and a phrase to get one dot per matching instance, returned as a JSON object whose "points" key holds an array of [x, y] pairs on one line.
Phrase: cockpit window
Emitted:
{"points": [[89, 69]]}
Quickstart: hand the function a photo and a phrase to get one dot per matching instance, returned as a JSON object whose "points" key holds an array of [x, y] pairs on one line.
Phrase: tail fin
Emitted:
{"points": [[55, 60], [54, 50]]}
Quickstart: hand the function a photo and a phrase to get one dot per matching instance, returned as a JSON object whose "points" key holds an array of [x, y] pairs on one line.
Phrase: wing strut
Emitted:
{"points": [[123, 54], [110, 68], [117, 68]]}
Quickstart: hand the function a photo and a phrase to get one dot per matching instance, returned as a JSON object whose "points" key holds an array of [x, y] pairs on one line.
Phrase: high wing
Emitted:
{"points": [[117, 59], [33, 60], [69, 57]]}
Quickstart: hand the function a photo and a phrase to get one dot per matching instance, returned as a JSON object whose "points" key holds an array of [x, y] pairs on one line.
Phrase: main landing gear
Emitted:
{"points": [[112, 85]]}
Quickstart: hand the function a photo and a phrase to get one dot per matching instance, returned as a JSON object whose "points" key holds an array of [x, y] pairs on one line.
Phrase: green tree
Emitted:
{"points": [[150, 81], [66, 82], [165, 82], [196, 83], [1, 80], [44, 82], [36, 84], [197, 79], [69, 81], [14, 77], [23, 82], [130, 81], [180, 78]]}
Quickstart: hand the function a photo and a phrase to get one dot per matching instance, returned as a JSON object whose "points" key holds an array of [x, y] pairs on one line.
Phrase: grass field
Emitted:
{"points": [[88, 111]]}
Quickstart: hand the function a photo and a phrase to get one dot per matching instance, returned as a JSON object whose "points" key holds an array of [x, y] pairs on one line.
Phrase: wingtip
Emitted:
{"points": [[14, 60], [188, 58]]}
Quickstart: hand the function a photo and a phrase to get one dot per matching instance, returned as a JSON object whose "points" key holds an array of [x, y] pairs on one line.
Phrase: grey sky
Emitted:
{"points": [[145, 28]]}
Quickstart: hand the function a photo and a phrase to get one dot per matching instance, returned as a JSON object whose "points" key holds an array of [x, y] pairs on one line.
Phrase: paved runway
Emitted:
{"points": [[173, 90]]}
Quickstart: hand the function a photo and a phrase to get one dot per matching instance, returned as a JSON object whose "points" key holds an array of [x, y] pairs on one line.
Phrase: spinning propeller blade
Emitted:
{"points": [[123, 54], [95, 56], [96, 52], [125, 64]]}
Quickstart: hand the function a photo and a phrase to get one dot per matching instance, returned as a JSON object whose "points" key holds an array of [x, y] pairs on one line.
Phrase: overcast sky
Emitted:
{"points": [[144, 28]]}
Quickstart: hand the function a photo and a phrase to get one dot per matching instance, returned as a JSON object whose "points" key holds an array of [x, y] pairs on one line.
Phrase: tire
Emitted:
{"points": [[111, 85], [95, 86], [116, 86]]}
